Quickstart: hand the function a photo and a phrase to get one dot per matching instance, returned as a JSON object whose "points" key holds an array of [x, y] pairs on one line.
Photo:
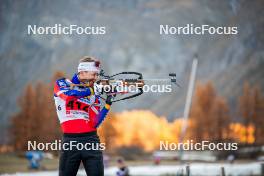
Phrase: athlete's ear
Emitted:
{"points": [[97, 63]]}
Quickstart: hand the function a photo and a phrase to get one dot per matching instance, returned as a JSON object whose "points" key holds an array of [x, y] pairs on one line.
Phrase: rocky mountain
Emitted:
{"points": [[132, 43]]}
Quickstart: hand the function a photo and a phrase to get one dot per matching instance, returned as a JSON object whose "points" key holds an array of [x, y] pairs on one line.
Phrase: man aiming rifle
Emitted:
{"points": [[79, 110], [79, 113]]}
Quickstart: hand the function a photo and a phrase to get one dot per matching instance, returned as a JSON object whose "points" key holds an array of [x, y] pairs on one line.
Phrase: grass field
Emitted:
{"points": [[11, 163], [14, 163]]}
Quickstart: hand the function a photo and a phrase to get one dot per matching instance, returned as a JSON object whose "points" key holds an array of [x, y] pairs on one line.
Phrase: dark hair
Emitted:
{"points": [[87, 59]]}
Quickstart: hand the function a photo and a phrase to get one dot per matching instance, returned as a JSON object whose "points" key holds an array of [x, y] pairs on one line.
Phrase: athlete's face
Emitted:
{"points": [[88, 75]]}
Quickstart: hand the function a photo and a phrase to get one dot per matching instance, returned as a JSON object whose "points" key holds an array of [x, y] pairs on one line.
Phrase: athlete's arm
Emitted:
{"points": [[63, 90], [103, 112]]}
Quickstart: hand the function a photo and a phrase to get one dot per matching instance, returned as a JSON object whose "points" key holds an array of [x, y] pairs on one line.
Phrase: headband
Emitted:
{"points": [[88, 66]]}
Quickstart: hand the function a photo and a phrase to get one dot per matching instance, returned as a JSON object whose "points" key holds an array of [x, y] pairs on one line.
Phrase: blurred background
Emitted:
{"points": [[228, 99]]}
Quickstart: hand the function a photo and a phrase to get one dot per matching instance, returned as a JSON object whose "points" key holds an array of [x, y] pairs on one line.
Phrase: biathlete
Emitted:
{"points": [[79, 113]]}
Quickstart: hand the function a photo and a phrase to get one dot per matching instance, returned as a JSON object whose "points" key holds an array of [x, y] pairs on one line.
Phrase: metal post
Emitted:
{"points": [[187, 170], [188, 103], [262, 169], [189, 95], [222, 171]]}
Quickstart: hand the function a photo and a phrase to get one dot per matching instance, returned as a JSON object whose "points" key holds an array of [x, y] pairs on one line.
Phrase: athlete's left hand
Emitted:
{"points": [[109, 99]]}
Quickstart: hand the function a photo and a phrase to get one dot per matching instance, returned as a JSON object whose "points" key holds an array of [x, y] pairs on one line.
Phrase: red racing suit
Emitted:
{"points": [[78, 109]]}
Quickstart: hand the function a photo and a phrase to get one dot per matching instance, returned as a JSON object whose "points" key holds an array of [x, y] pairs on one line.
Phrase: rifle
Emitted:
{"points": [[136, 81]]}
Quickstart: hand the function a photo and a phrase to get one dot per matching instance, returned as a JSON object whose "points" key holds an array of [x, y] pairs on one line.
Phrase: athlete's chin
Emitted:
{"points": [[91, 80], [88, 80]]}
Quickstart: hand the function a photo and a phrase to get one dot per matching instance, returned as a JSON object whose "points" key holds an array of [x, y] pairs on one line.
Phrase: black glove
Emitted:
{"points": [[108, 99]]}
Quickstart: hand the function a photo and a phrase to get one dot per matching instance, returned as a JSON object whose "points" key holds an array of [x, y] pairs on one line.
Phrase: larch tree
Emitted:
{"points": [[209, 114]]}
